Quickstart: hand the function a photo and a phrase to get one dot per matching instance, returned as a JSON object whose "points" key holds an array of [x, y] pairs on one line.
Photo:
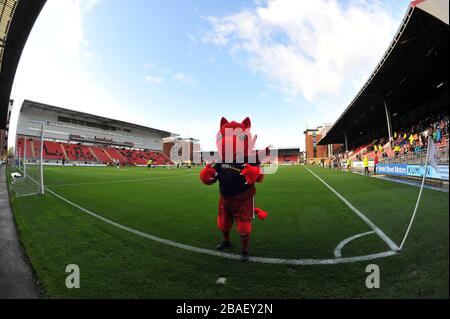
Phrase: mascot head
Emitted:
{"points": [[234, 140]]}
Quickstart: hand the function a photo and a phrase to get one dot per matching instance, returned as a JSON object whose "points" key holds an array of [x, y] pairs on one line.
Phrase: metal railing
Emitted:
{"points": [[418, 157]]}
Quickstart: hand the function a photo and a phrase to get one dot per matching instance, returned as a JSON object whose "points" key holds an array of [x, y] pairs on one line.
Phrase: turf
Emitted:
{"points": [[306, 220]]}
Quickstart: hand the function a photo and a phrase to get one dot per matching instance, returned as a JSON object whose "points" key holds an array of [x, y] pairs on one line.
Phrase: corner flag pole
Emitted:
{"points": [[24, 157], [418, 198], [41, 159]]}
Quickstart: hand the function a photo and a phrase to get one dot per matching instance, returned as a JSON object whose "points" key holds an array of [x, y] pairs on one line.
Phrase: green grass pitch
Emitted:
{"points": [[306, 221]]}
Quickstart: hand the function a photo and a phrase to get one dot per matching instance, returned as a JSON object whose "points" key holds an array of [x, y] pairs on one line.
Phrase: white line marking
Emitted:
{"points": [[337, 250], [411, 183], [265, 260], [379, 232], [121, 181]]}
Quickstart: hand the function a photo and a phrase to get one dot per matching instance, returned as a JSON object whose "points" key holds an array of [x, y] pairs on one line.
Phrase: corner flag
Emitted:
{"points": [[432, 158]]}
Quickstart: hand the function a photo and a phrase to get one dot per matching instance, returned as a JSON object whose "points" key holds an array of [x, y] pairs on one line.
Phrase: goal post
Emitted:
{"points": [[31, 166]]}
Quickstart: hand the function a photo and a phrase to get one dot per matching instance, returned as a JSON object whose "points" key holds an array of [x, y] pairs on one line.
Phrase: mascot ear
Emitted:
{"points": [[223, 121], [247, 123]]}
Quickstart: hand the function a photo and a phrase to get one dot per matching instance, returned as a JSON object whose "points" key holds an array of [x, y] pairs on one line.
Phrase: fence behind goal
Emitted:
{"points": [[29, 164]]}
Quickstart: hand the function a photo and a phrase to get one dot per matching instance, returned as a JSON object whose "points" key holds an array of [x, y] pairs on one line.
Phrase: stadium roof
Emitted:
{"points": [[17, 18], [104, 120], [413, 67]]}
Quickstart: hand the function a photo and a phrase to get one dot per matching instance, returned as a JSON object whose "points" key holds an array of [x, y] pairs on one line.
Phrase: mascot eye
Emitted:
{"points": [[242, 137]]}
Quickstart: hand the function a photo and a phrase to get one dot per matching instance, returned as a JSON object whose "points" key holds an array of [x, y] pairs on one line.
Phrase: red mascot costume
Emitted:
{"points": [[237, 177]]}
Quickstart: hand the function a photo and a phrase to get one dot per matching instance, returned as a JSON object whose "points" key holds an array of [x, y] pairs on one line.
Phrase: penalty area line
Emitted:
{"points": [[122, 180], [265, 260], [377, 230]]}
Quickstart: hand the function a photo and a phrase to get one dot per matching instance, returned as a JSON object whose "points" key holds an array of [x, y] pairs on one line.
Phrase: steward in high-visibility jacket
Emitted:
{"points": [[366, 165]]}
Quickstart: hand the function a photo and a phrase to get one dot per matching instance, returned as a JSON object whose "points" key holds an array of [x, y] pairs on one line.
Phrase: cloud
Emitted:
{"points": [[263, 95], [90, 55], [315, 49], [154, 79], [52, 67], [183, 78], [87, 5], [149, 66], [177, 76]]}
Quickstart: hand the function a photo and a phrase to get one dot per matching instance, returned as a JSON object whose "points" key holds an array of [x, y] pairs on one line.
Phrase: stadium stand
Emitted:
{"points": [[76, 152], [287, 159], [406, 97], [407, 145], [288, 155], [115, 155], [55, 151], [100, 154], [88, 139]]}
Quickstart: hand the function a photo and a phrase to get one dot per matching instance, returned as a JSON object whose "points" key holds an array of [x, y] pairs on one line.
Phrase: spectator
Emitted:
{"points": [[397, 150], [411, 139], [366, 164], [405, 150], [438, 135], [417, 149], [375, 163]]}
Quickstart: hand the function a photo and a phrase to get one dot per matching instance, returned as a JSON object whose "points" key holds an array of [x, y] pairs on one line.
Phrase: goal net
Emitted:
{"points": [[30, 165]]}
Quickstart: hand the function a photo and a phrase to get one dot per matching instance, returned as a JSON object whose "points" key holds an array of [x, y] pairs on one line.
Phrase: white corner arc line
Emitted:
{"points": [[337, 250], [378, 231], [266, 260]]}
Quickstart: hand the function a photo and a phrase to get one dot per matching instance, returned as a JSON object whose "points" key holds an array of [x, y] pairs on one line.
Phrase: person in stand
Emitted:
{"points": [[397, 150], [375, 163]]}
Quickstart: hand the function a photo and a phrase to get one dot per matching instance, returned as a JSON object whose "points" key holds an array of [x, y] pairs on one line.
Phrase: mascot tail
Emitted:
{"points": [[260, 213]]}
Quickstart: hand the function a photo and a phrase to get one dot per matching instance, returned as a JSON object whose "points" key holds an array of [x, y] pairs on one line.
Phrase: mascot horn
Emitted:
{"points": [[237, 173]]}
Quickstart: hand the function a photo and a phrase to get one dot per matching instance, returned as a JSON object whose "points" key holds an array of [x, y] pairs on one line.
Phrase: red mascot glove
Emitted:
{"points": [[251, 174], [260, 213], [208, 175]]}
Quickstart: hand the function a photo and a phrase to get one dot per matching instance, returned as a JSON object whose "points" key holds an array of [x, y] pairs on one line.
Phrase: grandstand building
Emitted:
{"points": [[314, 152], [84, 138], [290, 155]]}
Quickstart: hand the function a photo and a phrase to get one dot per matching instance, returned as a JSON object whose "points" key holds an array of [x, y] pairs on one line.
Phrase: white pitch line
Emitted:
{"points": [[378, 231], [121, 181], [266, 260], [337, 250]]}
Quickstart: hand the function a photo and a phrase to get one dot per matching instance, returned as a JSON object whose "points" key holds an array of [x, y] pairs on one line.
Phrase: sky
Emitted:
{"points": [[181, 65]]}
